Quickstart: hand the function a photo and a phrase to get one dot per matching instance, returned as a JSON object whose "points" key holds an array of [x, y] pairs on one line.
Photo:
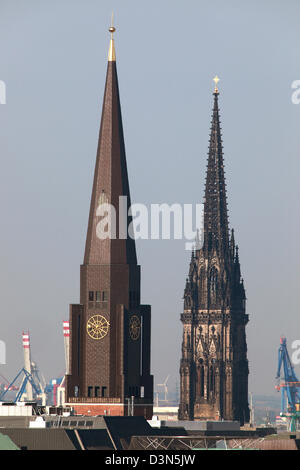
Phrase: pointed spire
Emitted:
{"points": [[237, 267], [215, 207], [110, 179]]}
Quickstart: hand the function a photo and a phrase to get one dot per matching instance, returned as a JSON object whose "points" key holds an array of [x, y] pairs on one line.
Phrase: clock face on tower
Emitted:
{"points": [[97, 327], [134, 327]]}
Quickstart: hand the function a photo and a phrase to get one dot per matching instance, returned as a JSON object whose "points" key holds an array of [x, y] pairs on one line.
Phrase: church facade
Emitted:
{"points": [[214, 365]]}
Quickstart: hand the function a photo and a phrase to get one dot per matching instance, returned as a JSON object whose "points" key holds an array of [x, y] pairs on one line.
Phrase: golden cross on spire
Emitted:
{"points": [[216, 80]]}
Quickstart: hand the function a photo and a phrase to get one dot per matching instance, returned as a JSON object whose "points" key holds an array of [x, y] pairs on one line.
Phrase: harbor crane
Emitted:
{"points": [[289, 386], [32, 387]]}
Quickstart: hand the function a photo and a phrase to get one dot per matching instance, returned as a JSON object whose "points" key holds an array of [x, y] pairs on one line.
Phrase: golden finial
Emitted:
{"points": [[111, 52], [216, 80]]}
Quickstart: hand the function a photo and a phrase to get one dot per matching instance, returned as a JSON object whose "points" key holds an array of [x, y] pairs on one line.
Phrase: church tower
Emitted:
{"points": [[214, 366], [109, 368]]}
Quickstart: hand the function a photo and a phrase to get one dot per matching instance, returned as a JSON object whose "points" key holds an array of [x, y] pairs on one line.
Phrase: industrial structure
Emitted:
{"points": [[109, 370], [56, 389], [66, 332], [32, 387], [214, 366], [27, 365], [59, 387], [165, 389], [289, 386]]}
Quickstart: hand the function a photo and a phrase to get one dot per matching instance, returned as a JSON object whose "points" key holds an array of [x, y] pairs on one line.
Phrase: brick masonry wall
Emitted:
{"points": [[91, 409]]}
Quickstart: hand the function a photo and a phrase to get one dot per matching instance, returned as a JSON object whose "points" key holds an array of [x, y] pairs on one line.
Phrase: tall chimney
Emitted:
{"points": [[27, 364]]}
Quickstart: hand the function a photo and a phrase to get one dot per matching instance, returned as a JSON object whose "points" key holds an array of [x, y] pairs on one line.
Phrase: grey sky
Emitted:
{"points": [[53, 60]]}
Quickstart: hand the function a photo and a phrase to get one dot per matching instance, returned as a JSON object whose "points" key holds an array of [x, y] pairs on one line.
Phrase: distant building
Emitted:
{"points": [[214, 365], [109, 371], [165, 413]]}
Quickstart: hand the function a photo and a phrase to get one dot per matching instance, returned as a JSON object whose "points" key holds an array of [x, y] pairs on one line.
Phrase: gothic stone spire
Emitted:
{"points": [[214, 366], [215, 206]]}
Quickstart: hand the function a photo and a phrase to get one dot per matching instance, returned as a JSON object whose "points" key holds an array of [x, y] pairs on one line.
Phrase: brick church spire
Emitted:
{"points": [[110, 329], [110, 177], [214, 366]]}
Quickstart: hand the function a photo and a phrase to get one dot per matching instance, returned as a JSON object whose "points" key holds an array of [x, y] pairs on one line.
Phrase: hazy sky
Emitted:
{"points": [[53, 58]]}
